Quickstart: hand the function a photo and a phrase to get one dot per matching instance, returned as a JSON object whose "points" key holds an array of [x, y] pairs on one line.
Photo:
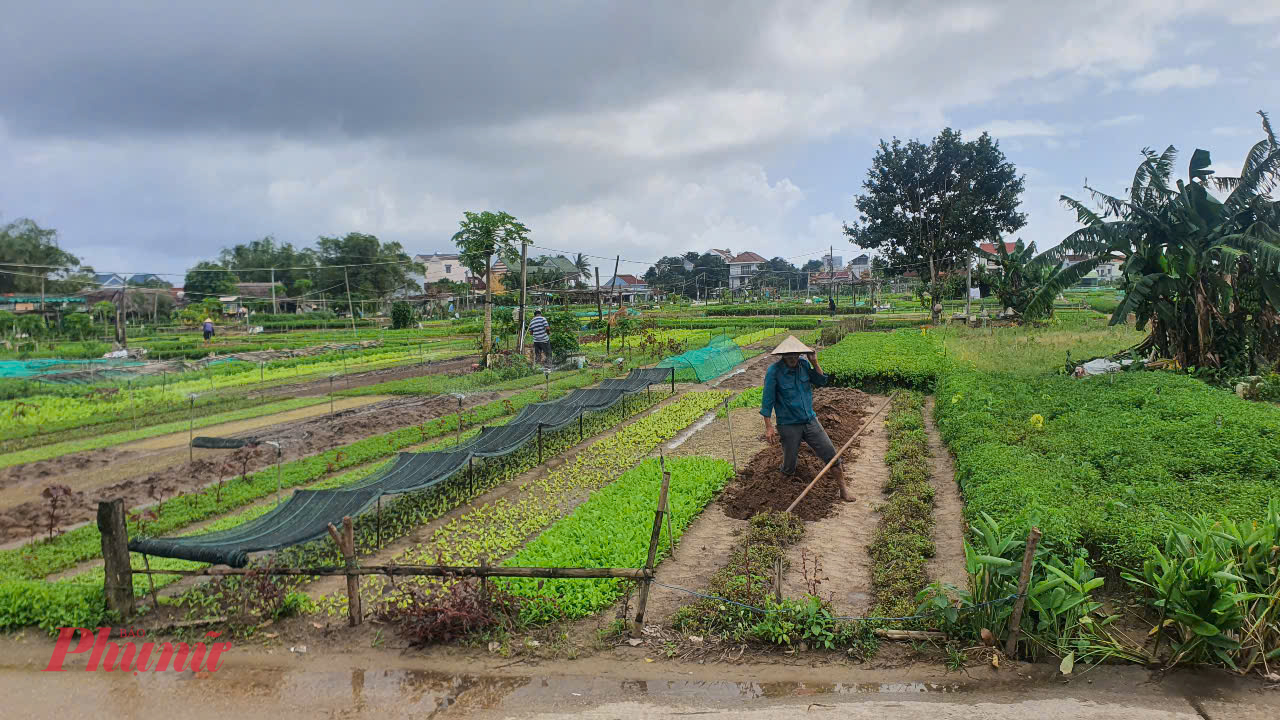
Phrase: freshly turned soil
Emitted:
{"points": [[761, 486]]}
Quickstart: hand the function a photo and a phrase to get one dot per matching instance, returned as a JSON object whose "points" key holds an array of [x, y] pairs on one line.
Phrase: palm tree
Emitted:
{"points": [[1029, 283], [1201, 272], [583, 266]]}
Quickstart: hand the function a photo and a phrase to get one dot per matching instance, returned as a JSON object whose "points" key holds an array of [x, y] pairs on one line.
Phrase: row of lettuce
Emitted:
{"points": [[1155, 477]]}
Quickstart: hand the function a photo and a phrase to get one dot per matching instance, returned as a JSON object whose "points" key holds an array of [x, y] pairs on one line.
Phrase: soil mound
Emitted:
{"points": [[761, 486]]}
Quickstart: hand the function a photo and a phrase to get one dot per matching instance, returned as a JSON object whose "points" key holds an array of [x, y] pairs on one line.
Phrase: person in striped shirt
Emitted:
{"points": [[540, 329]]}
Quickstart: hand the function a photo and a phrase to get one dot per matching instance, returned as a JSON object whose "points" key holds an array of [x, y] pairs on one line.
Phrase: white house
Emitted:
{"points": [[742, 267], [442, 266], [860, 265]]}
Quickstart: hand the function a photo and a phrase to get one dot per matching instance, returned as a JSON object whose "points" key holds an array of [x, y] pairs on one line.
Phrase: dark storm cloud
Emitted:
{"points": [[359, 69]]}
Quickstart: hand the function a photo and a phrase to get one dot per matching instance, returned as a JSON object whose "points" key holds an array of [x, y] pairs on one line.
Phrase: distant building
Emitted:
{"points": [[860, 265], [742, 267], [561, 265], [143, 278], [833, 261], [109, 280], [725, 255], [630, 287], [1009, 247], [441, 266]]}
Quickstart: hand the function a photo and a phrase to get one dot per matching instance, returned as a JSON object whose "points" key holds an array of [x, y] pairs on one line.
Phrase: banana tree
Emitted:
{"points": [[1203, 273], [1028, 282]]}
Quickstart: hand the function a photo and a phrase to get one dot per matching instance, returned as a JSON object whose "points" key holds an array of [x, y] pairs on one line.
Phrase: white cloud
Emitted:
{"points": [[1000, 129], [1121, 120], [1191, 76], [1226, 131]]}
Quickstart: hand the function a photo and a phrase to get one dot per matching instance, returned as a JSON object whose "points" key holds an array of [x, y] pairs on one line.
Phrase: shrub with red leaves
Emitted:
{"points": [[436, 613]]}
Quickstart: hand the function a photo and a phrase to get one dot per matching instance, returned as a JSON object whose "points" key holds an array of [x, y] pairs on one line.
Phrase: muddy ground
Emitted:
{"points": [[297, 439], [761, 485]]}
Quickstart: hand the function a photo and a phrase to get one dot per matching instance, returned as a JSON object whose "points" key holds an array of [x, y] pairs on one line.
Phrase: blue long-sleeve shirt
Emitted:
{"points": [[789, 393]]}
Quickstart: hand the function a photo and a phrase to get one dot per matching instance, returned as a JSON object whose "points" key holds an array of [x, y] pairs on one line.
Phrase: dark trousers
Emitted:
{"points": [[812, 434], [542, 351]]}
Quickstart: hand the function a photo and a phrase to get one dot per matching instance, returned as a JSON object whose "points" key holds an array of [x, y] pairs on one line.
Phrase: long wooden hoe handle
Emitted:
{"points": [[840, 452]]}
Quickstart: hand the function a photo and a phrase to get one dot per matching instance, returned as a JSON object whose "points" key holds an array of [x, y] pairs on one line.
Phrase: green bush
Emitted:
{"points": [[401, 315]]}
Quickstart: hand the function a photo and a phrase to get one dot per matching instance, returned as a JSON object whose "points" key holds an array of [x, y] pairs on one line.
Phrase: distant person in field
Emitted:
{"points": [[788, 392], [208, 328], [540, 330]]}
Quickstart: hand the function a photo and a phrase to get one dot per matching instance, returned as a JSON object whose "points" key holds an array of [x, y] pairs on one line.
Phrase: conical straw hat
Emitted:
{"points": [[791, 345]]}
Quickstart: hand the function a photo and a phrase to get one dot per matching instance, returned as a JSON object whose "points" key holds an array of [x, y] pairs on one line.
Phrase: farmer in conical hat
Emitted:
{"points": [[788, 392]]}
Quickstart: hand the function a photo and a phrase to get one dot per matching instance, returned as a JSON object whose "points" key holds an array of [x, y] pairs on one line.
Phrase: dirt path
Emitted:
{"points": [[838, 543], [837, 533], [947, 564]]}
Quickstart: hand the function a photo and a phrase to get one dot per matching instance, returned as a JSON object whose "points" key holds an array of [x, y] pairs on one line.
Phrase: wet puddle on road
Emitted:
{"points": [[432, 690]]}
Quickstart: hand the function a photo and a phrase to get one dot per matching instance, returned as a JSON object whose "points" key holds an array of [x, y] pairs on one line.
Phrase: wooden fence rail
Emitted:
{"points": [[420, 570]]}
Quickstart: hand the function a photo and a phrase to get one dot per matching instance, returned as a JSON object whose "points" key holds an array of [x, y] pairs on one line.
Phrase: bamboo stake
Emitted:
{"points": [[1015, 620], [840, 452], [151, 580], [643, 599]]}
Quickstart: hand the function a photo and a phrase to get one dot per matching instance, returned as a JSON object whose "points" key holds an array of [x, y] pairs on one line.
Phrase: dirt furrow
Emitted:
{"points": [[947, 564]]}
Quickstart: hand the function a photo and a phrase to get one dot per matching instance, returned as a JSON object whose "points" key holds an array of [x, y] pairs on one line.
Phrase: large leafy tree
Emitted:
{"points": [[255, 261], [776, 273], [1203, 273], [30, 253], [927, 206], [480, 236], [208, 279], [371, 268], [669, 274]]}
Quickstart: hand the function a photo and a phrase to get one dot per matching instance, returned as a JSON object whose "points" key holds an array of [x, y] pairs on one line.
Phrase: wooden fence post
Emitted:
{"points": [[347, 546], [643, 599], [1015, 620], [777, 579], [539, 443], [118, 581]]}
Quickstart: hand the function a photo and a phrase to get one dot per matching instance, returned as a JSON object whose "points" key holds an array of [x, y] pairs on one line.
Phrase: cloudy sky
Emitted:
{"points": [[152, 134]]}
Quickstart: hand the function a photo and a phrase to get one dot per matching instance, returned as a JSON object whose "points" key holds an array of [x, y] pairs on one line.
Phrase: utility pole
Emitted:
{"points": [[346, 280], [968, 285], [121, 334], [524, 288], [275, 309], [599, 305], [616, 282]]}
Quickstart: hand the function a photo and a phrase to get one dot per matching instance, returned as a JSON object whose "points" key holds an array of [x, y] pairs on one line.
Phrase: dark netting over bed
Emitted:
{"points": [[306, 515]]}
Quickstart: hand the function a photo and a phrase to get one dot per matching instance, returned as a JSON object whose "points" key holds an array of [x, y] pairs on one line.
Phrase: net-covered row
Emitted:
{"points": [[306, 515], [717, 358]]}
